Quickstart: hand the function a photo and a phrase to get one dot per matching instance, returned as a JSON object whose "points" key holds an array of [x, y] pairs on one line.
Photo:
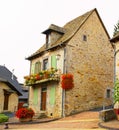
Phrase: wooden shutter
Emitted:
{"points": [[52, 95], [53, 61], [37, 67], [35, 96], [32, 68]]}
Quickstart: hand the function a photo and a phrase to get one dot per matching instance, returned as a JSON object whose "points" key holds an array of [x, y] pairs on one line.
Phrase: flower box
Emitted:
{"points": [[45, 74]]}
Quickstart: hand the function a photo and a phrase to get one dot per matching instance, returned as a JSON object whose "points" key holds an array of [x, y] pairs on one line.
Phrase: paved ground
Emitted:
{"points": [[82, 121]]}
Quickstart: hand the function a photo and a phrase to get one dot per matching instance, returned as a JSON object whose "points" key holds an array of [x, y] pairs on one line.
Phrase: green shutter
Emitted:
{"points": [[35, 96], [37, 67], [53, 61], [32, 68], [52, 95]]}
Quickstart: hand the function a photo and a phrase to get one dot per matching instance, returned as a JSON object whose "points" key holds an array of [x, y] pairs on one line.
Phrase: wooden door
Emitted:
{"points": [[43, 99], [6, 101]]}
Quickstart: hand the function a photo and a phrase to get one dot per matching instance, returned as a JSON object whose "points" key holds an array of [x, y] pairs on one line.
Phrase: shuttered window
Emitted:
{"points": [[45, 64], [33, 68], [53, 61], [52, 95], [37, 67], [35, 96]]}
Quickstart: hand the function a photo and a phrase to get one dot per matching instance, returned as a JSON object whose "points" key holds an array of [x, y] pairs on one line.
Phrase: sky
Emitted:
{"points": [[23, 21]]}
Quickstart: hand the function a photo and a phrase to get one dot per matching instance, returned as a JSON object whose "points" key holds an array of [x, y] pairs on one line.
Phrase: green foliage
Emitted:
{"points": [[116, 91], [116, 29], [3, 118]]}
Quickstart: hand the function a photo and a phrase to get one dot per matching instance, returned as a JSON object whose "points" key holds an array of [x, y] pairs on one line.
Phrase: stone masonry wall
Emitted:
{"points": [[91, 63], [13, 99]]}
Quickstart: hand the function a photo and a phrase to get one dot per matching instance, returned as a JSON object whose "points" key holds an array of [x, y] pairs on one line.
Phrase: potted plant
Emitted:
{"points": [[116, 98], [25, 114]]}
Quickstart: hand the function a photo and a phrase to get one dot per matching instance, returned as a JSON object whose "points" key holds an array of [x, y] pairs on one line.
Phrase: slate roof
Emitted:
{"points": [[55, 28], [69, 30], [6, 76], [24, 92]]}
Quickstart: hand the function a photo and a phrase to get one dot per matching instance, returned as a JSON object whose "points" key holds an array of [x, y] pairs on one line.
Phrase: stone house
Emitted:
{"points": [[82, 48], [10, 90]]}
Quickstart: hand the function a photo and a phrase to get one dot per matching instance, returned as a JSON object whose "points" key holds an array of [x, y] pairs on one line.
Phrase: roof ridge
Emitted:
{"points": [[80, 16]]}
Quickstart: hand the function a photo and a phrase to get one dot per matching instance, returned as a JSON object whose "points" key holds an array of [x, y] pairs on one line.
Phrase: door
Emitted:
{"points": [[6, 100], [43, 98]]}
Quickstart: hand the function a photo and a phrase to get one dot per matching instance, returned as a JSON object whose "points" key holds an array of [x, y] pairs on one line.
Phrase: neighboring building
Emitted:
{"points": [[23, 99], [115, 43], [10, 90], [81, 47]]}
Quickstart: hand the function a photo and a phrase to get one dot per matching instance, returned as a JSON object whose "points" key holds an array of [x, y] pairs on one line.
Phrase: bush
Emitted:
{"points": [[3, 118], [25, 113]]}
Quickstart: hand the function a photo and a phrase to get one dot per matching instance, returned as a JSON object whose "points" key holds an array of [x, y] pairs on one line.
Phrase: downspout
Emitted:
{"points": [[114, 47], [114, 63], [63, 91], [29, 87]]}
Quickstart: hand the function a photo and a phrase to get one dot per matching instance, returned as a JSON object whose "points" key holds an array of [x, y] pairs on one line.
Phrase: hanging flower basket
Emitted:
{"points": [[67, 81]]}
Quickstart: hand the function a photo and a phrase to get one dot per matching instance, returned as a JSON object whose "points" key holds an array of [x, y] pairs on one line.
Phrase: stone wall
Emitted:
{"points": [[91, 63], [13, 99], [51, 110]]}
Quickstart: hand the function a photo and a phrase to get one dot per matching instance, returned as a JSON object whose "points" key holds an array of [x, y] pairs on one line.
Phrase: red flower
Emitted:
{"points": [[24, 113], [67, 81], [37, 77]]}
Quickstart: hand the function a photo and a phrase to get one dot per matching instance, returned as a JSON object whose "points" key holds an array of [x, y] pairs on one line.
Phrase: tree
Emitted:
{"points": [[116, 28]]}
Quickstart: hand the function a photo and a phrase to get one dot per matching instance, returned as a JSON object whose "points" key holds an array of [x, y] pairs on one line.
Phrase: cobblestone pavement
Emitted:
{"points": [[82, 121]]}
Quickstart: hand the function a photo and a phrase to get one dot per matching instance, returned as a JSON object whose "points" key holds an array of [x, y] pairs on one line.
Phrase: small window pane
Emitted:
{"points": [[108, 93], [84, 38], [45, 64]]}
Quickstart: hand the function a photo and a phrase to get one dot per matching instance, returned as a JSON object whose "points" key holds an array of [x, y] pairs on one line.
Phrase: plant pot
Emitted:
{"points": [[117, 113], [117, 117], [25, 119]]}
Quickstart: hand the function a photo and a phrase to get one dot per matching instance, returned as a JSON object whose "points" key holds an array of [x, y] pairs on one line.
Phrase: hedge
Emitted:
{"points": [[3, 118]]}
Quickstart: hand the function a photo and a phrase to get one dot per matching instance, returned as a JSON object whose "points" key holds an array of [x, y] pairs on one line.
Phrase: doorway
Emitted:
{"points": [[43, 98], [6, 100]]}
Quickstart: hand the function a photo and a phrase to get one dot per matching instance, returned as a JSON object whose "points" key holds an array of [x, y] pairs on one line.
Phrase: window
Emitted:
{"points": [[84, 38], [32, 68], [47, 40], [45, 64], [53, 61], [43, 98], [37, 67], [108, 93]]}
